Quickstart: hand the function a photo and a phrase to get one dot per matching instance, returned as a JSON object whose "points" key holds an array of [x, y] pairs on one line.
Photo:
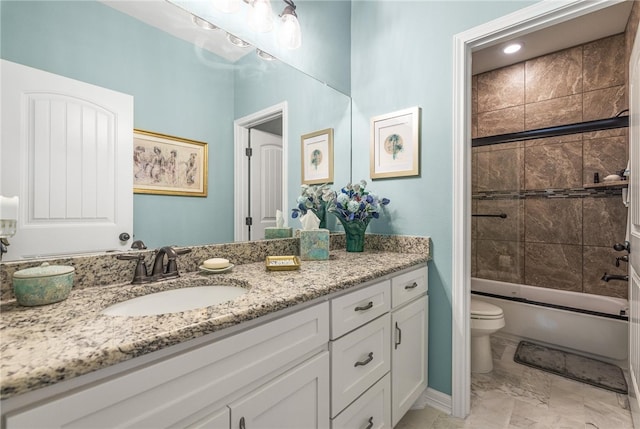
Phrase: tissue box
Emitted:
{"points": [[314, 245], [274, 232]]}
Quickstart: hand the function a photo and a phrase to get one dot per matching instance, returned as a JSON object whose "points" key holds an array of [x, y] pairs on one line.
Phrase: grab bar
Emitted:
{"points": [[501, 215]]}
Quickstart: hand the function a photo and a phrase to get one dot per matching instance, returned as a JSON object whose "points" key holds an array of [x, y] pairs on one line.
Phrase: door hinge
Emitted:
{"points": [[248, 152], [248, 221]]}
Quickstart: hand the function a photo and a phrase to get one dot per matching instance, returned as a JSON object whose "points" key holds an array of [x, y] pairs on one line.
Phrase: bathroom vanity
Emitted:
{"points": [[338, 343]]}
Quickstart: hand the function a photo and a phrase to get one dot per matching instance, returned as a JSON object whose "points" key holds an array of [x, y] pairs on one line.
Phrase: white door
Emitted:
{"points": [[298, 399], [634, 232], [408, 357], [66, 152], [265, 181]]}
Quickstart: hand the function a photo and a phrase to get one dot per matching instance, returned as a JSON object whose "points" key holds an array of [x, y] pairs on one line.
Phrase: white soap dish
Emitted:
{"points": [[216, 270]]}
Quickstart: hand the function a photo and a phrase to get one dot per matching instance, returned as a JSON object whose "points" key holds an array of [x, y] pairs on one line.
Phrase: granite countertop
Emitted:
{"points": [[44, 345]]}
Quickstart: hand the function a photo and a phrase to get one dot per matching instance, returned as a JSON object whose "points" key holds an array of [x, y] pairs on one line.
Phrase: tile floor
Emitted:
{"points": [[515, 396]]}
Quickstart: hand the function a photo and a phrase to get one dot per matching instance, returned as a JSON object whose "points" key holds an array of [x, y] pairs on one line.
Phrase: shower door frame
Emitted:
{"points": [[535, 17]]}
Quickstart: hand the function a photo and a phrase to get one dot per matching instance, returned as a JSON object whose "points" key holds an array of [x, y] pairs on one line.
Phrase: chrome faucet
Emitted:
{"points": [[608, 277], [160, 271]]}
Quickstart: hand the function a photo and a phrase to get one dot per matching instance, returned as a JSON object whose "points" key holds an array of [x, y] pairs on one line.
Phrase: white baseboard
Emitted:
{"points": [[435, 399]]}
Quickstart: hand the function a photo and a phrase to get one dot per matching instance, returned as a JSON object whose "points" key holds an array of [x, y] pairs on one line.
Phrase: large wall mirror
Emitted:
{"points": [[181, 89]]}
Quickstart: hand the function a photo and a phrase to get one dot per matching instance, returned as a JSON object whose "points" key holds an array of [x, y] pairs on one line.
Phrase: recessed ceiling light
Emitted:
{"points": [[264, 55], [512, 48], [237, 41], [203, 23]]}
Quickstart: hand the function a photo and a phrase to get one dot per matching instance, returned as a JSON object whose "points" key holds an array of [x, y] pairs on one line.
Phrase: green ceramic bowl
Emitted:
{"points": [[42, 285]]}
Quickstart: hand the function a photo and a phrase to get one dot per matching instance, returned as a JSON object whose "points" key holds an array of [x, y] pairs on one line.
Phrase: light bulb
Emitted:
{"points": [[289, 34], [261, 16], [512, 48], [227, 6]]}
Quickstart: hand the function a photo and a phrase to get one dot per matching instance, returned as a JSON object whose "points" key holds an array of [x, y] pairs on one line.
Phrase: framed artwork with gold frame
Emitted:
{"points": [[317, 157], [395, 144], [168, 165]]}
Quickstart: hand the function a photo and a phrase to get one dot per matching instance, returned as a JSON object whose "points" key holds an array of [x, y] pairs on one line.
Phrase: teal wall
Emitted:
{"points": [[174, 93], [402, 57]]}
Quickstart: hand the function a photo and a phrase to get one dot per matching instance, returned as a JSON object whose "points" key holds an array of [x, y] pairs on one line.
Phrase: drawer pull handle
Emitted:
{"points": [[411, 286], [242, 426], [398, 336], [366, 361], [364, 307], [370, 425]]}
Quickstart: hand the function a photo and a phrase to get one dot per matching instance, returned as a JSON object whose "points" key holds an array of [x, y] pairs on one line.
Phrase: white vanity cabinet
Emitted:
{"points": [[409, 319], [278, 364]]}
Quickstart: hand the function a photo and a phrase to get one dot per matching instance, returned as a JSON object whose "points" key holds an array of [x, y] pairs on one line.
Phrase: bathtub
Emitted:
{"points": [[591, 325]]}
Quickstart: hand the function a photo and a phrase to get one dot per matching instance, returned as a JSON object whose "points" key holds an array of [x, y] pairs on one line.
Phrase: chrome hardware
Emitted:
{"points": [[398, 336], [411, 286], [364, 307], [366, 361], [370, 425]]}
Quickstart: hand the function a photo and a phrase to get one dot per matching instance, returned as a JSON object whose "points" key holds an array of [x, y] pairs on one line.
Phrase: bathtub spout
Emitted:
{"points": [[608, 277]]}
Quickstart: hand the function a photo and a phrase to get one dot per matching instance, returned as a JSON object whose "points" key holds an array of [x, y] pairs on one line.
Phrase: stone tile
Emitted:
{"points": [[474, 170], [553, 220], [540, 418], [474, 95], [606, 133], [604, 103], [604, 221], [500, 170], [604, 416], [553, 166], [501, 88], [419, 419], [500, 260], [554, 75], [604, 63], [555, 266], [474, 252], [554, 140], [596, 262], [508, 120], [492, 410], [604, 156], [491, 228], [557, 111]]}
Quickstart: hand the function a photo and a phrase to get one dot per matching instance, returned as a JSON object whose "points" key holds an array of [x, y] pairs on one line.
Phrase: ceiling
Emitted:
{"points": [[606, 22], [178, 22]]}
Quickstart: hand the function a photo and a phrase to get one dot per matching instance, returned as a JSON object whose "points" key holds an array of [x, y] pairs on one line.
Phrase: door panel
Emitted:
{"points": [[66, 151], [266, 181]]}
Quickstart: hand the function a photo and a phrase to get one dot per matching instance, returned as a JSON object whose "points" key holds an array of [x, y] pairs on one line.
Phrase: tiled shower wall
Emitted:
{"points": [[556, 233]]}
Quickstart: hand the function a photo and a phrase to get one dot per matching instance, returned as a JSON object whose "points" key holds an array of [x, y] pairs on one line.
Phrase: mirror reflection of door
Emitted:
{"points": [[265, 176]]}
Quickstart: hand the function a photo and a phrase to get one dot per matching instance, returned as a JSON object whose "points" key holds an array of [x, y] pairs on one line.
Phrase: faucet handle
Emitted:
{"points": [[140, 274]]}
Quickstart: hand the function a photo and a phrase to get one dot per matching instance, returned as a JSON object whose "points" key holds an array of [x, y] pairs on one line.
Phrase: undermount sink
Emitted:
{"points": [[175, 300]]}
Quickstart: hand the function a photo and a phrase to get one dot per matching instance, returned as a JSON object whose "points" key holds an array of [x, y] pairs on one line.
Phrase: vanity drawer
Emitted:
{"points": [[358, 360], [359, 307], [371, 410], [407, 286]]}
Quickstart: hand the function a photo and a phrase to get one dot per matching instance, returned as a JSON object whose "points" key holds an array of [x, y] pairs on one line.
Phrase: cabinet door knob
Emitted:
{"points": [[411, 286], [242, 426], [364, 307], [366, 361], [370, 425]]}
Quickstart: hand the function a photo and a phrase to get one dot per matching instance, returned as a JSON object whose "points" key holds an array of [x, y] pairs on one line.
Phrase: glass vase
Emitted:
{"points": [[354, 232], [321, 213]]}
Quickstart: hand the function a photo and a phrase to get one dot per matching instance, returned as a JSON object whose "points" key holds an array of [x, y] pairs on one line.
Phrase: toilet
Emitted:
{"points": [[486, 319]]}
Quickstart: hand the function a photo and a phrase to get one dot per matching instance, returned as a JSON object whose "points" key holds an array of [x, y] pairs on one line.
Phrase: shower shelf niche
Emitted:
{"points": [[612, 184]]}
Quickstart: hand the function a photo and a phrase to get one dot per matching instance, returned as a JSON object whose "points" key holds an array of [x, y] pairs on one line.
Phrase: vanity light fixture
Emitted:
{"points": [[289, 33], [236, 41], [227, 6], [512, 48], [264, 55], [260, 15], [202, 23]]}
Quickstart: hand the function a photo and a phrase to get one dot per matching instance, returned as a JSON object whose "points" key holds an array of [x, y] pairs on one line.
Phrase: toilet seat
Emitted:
{"points": [[485, 311]]}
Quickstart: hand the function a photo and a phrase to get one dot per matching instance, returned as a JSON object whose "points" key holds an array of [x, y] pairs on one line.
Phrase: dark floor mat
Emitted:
{"points": [[569, 365]]}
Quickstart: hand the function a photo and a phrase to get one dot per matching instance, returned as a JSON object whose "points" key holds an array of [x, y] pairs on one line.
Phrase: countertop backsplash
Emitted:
{"points": [[105, 269]]}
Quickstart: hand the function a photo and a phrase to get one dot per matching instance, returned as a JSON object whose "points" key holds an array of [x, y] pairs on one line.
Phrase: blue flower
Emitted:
{"points": [[354, 202]]}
